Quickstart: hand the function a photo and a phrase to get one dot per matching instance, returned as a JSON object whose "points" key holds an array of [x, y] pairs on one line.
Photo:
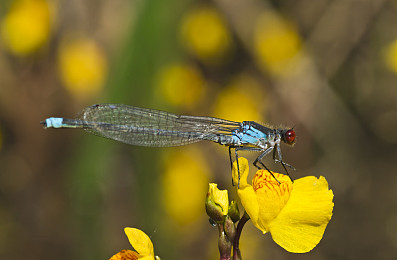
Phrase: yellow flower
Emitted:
{"points": [[26, 27], [125, 255], [217, 203], [82, 65], [220, 197], [276, 43], [247, 93], [205, 34], [295, 214], [390, 56], [181, 85], [140, 242], [185, 180]]}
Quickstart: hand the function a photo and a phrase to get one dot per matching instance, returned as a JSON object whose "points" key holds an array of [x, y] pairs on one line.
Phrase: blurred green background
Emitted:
{"points": [[327, 67]]}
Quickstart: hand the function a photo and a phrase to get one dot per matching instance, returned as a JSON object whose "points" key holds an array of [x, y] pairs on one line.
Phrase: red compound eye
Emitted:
{"points": [[290, 136]]}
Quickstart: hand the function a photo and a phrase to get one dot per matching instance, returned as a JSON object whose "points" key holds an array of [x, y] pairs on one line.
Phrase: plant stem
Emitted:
{"points": [[224, 244], [241, 223]]}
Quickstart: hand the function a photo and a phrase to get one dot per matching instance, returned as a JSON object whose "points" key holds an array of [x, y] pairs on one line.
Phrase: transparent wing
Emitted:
{"points": [[148, 127]]}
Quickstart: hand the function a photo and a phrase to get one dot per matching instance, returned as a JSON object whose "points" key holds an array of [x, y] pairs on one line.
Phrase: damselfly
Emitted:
{"points": [[148, 127]]}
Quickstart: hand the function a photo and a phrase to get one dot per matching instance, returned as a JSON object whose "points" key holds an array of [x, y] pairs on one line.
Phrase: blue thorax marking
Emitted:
{"points": [[248, 135]]}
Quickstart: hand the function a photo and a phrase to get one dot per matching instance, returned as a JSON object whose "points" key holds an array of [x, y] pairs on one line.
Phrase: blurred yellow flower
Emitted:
{"points": [[140, 242], [184, 182], [204, 33], [276, 43], [82, 66], [241, 100], [26, 26], [296, 214], [390, 55], [181, 85]]}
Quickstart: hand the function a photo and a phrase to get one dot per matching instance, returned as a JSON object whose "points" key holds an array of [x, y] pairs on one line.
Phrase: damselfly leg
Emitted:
{"points": [[280, 160], [258, 161], [241, 148]]}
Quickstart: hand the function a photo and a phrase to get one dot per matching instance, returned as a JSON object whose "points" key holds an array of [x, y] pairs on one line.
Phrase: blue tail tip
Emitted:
{"points": [[54, 122]]}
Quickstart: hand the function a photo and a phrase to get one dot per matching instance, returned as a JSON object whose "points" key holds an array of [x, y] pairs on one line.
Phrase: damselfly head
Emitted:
{"points": [[288, 136]]}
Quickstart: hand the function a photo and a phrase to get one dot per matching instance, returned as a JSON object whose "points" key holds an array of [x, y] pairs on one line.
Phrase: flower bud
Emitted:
{"points": [[234, 212], [224, 245], [230, 228], [217, 203]]}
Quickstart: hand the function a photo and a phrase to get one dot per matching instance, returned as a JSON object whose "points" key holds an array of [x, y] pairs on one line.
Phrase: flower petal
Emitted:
{"points": [[301, 223], [245, 192], [244, 170], [140, 242], [250, 204], [125, 255], [272, 194], [220, 197]]}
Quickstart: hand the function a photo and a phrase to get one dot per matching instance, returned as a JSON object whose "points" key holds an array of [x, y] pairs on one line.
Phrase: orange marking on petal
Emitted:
{"points": [[125, 255], [264, 181]]}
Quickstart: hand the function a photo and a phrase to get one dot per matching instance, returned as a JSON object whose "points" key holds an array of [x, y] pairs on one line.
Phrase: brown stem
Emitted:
{"points": [[241, 223]]}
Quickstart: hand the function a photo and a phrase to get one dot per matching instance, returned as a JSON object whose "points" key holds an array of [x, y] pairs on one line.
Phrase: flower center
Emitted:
{"points": [[264, 180], [271, 194]]}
